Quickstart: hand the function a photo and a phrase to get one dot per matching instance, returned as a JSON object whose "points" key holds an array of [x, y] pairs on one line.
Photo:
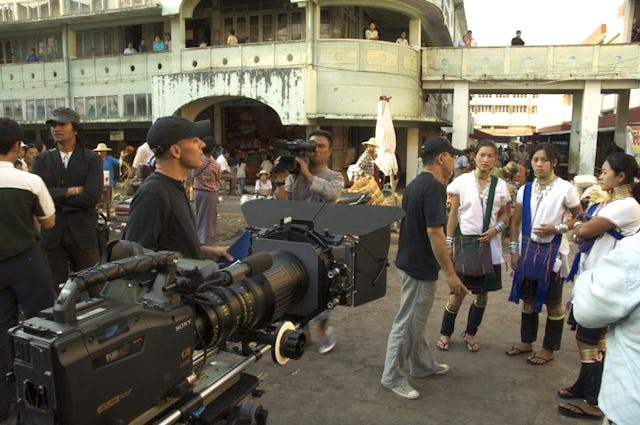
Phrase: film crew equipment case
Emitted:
{"points": [[473, 258], [357, 235]]}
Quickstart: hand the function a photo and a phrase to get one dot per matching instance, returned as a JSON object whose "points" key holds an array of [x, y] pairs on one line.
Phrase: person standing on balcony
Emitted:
{"points": [[232, 40], [130, 50], [517, 41], [472, 41], [372, 32], [158, 44], [403, 39], [32, 57], [142, 48], [167, 41], [73, 174]]}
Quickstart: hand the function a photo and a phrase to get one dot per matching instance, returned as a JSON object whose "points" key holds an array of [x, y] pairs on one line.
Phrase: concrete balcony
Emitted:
{"points": [[31, 10], [544, 69]]}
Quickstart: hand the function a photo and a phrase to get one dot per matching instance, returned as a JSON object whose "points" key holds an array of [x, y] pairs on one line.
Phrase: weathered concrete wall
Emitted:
{"points": [[281, 89]]}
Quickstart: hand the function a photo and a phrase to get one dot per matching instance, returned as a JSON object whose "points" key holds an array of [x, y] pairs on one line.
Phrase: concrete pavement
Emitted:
{"points": [[487, 387]]}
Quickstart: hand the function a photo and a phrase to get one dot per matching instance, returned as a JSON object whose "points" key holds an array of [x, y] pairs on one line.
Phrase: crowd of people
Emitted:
{"points": [[159, 44], [450, 226]]}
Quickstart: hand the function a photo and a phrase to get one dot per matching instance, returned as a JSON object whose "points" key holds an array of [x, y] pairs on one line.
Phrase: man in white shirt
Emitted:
{"points": [[226, 172], [609, 295]]}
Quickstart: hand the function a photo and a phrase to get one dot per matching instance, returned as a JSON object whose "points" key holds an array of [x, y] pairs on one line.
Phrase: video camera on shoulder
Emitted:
{"points": [[291, 149]]}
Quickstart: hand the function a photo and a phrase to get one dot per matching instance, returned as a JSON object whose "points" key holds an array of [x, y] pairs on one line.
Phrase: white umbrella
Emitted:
{"points": [[386, 141]]}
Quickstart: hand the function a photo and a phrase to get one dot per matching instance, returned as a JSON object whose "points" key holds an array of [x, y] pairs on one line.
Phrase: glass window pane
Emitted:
{"points": [[129, 108], [59, 102], [241, 29], [267, 28], [51, 105], [78, 105], [254, 29], [30, 105], [283, 27], [297, 27], [113, 106], [40, 109], [90, 104], [17, 109], [141, 104], [101, 106], [6, 107]]}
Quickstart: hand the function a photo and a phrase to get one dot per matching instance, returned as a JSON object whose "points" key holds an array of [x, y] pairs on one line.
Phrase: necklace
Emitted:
{"points": [[620, 192], [543, 186], [482, 184]]}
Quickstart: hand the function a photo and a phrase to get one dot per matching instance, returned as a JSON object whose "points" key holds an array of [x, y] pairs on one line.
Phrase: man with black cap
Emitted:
{"points": [[26, 280], [161, 217], [73, 175], [422, 252]]}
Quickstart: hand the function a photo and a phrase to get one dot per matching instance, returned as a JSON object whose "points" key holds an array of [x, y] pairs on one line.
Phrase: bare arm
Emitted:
{"points": [[47, 223], [592, 228], [439, 248], [514, 231]]}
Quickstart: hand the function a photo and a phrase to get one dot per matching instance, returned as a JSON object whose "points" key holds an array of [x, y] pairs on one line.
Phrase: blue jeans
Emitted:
{"points": [[26, 282], [408, 351]]}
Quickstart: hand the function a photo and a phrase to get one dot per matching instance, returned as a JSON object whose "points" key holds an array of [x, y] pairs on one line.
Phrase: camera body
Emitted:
{"points": [[288, 150], [138, 353]]}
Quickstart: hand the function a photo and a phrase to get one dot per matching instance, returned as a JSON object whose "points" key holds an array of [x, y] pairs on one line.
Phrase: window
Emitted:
{"points": [[137, 105]]}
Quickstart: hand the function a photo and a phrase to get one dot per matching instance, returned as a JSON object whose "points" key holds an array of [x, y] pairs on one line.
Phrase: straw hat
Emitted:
{"points": [[264, 172], [370, 142], [102, 147]]}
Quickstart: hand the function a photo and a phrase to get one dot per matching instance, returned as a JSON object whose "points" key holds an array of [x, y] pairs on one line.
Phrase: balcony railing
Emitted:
{"points": [[28, 10]]}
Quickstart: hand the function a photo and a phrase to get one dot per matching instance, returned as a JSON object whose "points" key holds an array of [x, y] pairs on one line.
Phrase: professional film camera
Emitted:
{"points": [[148, 349], [288, 150]]}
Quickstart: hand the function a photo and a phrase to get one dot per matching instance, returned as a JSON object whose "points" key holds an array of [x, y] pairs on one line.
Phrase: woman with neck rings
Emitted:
{"points": [[479, 210], [598, 232], [539, 258]]}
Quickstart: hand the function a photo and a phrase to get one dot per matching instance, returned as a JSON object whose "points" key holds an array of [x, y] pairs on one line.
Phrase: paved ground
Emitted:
{"points": [[343, 387], [487, 387]]}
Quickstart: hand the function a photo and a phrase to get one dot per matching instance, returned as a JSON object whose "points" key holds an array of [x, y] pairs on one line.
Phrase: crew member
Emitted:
{"points": [[160, 217], [26, 282]]}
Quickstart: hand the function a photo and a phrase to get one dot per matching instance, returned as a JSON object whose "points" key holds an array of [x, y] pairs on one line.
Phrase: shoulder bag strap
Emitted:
{"points": [[526, 210], [489, 210]]}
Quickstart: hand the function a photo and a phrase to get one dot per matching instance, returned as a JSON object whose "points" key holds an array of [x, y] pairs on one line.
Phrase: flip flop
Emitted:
{"points": [[536, 360], [515, 351], [473, 345], [566, 393], [580, 409], [442, 344]]}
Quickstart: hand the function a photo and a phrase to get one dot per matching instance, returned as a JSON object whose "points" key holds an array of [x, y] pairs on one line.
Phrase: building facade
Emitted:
{"points": [[298, 65]]}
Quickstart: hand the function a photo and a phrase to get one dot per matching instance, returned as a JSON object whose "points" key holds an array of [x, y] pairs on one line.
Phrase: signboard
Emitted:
{"points": [[116, 136], [633, 141]]}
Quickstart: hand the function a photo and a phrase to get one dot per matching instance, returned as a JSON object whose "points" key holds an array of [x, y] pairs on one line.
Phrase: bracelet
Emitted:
{"points": [[449, 241], [500, 226], [561, 228], [576, 224], [513, 247]]}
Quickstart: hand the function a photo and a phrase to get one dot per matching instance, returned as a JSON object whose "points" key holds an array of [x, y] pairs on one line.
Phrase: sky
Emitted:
{"points": [[542, 22]]}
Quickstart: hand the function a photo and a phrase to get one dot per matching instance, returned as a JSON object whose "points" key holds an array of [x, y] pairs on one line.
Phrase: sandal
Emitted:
{"points": [[442, 343], [567, 394], [472, 342], [536, 360], [580, 409], [515, 351]]}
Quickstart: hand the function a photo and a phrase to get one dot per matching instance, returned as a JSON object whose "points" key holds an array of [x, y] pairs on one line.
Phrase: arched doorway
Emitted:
{"points": [[198, 28]]}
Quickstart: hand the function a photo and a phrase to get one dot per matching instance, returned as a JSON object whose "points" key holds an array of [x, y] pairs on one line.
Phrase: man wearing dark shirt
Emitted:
{"points": [[422, 252], [25, 279], [161, 217], [517, 41]]}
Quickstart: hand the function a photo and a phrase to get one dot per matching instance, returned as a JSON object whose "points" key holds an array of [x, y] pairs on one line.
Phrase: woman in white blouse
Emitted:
{"points": [[539, 258], [470, 195], [598, 232]]}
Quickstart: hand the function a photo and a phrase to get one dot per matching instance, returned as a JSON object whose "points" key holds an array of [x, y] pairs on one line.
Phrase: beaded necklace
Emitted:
{"points": [[620, 192]]}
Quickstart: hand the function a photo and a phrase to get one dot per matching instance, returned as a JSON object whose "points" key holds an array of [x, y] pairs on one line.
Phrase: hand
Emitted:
{"points": [[75, 190], [216, 252], [544, 230], [514, 261], [488, 235], [456, 287], [304, 168]]}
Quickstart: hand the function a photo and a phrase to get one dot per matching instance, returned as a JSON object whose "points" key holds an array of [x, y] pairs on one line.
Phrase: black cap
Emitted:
{"points": [[63, 115], [436, 146], [167, 131]]}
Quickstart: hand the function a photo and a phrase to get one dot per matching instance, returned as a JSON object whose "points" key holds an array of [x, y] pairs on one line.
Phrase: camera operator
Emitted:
{"points": [[422, 252], [161, 217], [315, 182], [26, 277]]}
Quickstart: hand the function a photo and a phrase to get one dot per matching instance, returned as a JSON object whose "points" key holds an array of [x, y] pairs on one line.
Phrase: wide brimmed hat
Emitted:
{"points": [[370, 142], [263, 172], [102, 147]]}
